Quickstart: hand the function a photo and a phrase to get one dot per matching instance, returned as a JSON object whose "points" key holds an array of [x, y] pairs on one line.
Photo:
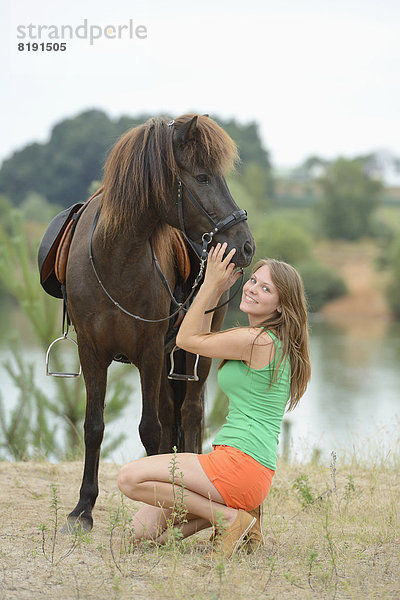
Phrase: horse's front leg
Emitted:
{"points": [[95, 374], [150, 368]]}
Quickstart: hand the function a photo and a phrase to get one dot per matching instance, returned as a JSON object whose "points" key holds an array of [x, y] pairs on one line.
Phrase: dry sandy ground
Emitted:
{"points": [[347, 548], [26, 497]]}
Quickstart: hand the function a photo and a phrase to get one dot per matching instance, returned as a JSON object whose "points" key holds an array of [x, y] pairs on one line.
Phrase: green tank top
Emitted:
{"points": [[256, 410]]}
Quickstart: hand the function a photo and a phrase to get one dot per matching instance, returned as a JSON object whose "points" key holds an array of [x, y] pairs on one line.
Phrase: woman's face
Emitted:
{"points": [[260, 298]]}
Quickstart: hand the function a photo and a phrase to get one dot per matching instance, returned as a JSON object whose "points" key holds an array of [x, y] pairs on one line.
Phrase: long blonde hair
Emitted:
{"points": [[290, 325]]}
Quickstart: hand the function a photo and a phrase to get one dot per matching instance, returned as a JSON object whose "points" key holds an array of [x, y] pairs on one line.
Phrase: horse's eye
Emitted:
{"points": [[202, 178]]}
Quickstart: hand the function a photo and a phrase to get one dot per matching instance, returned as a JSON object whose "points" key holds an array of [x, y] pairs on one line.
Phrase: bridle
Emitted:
{"points": [[235, 217], [207, 237]]}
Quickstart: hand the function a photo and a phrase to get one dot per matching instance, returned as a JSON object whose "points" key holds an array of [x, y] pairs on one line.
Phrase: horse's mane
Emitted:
{"points": [[141, 167]]}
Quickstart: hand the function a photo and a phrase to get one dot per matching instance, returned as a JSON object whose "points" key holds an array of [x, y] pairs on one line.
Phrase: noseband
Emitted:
{"points": [[207, 237]]}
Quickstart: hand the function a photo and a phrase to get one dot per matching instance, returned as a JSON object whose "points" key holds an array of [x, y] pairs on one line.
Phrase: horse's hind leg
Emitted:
{"points": [[166, 414], [172, 395], [150, 375], [192, 411], [95, 375]]}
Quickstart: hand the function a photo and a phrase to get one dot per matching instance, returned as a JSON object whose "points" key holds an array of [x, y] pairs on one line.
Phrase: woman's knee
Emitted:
{"points": [[127, 481]]}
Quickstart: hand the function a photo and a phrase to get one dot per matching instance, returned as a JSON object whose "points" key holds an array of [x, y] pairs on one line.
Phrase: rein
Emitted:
{"points": [[232, 219]]}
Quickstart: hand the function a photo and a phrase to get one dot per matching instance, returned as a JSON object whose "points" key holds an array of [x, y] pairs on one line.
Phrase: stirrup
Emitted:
{"points": [[60, 373], [182, 376]]}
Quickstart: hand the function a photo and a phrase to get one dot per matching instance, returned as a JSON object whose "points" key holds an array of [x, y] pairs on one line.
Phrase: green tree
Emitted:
{"points": [[36, 208], [393, 291], [62, 169], [22, 173], [349, 198], [244, 200], [321, 284], [255, 179], [311, 168], [255, 171], [5, 212], [31, 426], [248, 140], [280, 238]]}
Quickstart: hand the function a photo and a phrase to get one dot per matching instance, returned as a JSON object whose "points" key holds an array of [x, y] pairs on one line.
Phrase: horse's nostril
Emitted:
{"points": [[248, 249]]}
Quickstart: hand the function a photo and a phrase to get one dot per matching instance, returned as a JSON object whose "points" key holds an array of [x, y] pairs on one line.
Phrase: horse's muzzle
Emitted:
{"points": [[244, 253], [248, 250]]}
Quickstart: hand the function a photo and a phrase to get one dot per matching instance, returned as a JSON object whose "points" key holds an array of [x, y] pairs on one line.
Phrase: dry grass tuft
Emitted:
{"points": [[331, 532]]}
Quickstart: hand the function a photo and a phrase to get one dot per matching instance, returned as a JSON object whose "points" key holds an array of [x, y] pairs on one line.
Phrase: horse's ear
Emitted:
{"points": [[187, 130]]}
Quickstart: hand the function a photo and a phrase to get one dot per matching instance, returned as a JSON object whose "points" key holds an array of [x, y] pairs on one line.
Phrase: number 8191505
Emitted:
{"points": [[42, 46]]}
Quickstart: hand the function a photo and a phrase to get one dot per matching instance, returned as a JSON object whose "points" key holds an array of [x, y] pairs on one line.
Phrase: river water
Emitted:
{"points": [[352, 404]]}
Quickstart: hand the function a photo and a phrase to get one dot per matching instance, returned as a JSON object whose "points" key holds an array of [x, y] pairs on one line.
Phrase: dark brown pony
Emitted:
{"points": [[138, 208]]}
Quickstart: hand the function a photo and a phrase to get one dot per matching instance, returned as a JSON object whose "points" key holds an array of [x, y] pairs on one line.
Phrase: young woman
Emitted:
{"points": [[265, 369]]}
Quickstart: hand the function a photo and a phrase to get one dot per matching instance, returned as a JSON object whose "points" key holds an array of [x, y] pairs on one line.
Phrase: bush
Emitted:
{"points": [[321, 284], [278, 238], [350, 198], [393, 291], [283, 239], [43, 424], [5, 213], [37, 209]]}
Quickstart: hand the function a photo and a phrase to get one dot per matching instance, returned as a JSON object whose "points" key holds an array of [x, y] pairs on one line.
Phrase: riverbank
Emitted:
{"points": [[366, 283], [331, 532]]}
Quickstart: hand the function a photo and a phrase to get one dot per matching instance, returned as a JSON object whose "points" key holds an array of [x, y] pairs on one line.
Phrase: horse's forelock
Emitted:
{"points": [[210, 147]]}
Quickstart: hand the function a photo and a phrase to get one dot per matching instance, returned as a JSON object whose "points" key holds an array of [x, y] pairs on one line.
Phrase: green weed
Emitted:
{"points": [[304, 491]]}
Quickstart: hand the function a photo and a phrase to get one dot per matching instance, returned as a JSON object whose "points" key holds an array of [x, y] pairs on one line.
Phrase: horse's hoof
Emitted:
{"points": [[75, 525]]}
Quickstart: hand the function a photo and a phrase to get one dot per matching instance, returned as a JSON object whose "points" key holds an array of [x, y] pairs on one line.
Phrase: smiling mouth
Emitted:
{"points": [[248, 299]]}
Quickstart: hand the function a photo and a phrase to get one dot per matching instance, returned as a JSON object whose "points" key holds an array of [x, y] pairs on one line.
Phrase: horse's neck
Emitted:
{"points": [[129, 258], [134, 241]]}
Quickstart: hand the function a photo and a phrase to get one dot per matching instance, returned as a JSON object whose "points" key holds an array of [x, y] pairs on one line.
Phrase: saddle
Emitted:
{"points": [[54, 249], [49, 246]]}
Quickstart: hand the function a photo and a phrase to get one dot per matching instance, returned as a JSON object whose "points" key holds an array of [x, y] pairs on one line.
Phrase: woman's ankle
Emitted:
{"points": [[230, 516]]}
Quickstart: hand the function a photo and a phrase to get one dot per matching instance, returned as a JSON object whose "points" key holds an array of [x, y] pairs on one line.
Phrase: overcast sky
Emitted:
{"points": [[319, 76]]}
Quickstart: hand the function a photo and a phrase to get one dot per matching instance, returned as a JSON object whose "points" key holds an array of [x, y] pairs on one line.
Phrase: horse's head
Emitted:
{"points": [[203, 152], [154, 163]]}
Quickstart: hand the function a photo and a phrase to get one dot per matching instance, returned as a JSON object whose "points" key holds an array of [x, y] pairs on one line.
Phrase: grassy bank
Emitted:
{"points": [[366, 283], [331, 532]]}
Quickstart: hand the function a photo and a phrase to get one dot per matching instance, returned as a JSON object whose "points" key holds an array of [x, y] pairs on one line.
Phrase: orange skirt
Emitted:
{"points": [[242, 481]]}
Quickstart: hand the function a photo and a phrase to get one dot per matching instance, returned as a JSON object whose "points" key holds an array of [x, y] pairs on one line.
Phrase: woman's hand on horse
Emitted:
{"points": [[220, 273]]}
